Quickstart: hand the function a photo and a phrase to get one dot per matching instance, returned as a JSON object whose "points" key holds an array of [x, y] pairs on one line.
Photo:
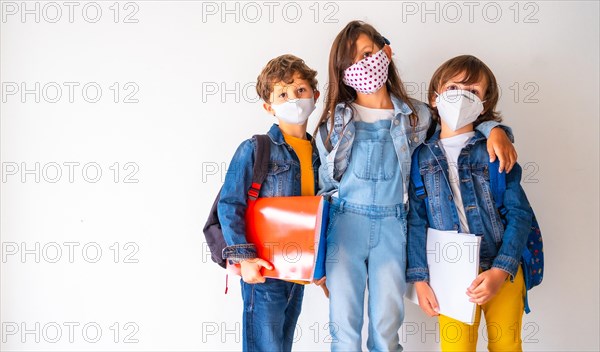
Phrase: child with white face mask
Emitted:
{"points": [[288, 88], [365, 138], [453, 165]]}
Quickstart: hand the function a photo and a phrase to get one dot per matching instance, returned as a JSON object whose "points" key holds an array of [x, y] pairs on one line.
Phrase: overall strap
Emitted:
{"points": [[323, 133]]}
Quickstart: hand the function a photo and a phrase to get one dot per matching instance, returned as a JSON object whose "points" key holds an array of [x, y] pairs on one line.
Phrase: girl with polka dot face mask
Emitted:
{"points": [[369, 74], [367, 132]]}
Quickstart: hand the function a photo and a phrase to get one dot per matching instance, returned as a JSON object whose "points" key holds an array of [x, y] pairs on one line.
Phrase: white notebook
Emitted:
{"points": [[453, 260]]}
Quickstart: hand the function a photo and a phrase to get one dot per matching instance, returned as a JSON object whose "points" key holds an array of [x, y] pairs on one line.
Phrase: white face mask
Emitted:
{"points": [[295, 111], [458, 108]]}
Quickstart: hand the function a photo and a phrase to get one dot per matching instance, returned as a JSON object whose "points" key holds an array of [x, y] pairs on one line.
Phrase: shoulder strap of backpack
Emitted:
{"points": [[261, 164], [497, 185], [415, 175]]}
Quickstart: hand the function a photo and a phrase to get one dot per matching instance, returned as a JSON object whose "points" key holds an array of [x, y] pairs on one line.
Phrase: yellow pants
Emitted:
{"points": [[503, 316]]}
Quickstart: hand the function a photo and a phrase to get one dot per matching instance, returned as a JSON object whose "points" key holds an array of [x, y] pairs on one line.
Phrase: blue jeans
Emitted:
{"points": [[366, 245], [271, 312]]}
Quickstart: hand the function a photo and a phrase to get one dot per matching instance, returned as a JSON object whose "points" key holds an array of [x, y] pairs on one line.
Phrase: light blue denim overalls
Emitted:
{"points": [[366, 244]]}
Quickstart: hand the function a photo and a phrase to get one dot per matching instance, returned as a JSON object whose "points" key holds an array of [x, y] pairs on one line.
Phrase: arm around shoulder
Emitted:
{"points": [[417, 224]]}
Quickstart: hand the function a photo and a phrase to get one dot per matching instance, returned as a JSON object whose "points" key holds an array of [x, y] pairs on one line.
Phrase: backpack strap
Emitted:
{"points": [[498, 186], [261, 164], [415, 175]]}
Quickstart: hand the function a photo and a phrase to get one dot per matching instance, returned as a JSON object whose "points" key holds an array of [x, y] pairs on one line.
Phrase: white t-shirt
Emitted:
{"points": [[452, 147], [372, 115]]}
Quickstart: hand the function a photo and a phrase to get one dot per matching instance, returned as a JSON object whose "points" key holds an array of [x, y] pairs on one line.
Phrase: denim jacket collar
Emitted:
{"points": [[433, 143], [400, 107], [277, 136]]}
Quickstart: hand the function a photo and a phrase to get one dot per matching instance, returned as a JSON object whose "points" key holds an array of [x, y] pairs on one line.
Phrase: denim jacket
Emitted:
{"points": [[500, 248], [405, 139], [283, 179]]}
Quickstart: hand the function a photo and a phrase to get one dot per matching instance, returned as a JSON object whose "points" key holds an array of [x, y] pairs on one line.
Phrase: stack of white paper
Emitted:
{"points": [[453, 260]]}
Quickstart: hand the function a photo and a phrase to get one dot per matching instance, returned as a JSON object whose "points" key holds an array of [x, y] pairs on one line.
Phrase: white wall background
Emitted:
{"points": [[185, 99]]}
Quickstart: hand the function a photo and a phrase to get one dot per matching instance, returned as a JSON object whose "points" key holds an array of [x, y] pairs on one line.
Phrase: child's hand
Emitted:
{"points": [[486, 285], [323, 283], [251, 270], [499, 145], [427, 300]]}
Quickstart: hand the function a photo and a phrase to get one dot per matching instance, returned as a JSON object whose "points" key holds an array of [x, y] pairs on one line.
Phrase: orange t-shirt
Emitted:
{"points": [[304, 151]]}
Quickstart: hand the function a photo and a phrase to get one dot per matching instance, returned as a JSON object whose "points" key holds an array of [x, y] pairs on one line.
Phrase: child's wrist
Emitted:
{"points": [[500, 273], [246, 262]]}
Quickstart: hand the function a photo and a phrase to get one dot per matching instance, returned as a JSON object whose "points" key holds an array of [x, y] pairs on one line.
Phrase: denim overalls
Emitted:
{"points": [[367, 239]]}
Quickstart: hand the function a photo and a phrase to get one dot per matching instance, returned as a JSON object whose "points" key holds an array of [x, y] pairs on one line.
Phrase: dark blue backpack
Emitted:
{"points": [[533, 255], [532, 259], [212, 229]]}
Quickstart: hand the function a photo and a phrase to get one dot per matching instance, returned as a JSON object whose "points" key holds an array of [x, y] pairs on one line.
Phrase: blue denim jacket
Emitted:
{"points": [[283, 180], [500, 248], [405, 139]]}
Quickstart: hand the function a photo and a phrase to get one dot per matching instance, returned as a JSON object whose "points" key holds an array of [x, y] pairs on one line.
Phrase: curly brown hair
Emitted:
{"points": [[283, 68]]}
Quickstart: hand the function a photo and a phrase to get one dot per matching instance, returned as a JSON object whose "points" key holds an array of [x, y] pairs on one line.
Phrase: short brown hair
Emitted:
{"points": [[283, 68], [473, 68]]}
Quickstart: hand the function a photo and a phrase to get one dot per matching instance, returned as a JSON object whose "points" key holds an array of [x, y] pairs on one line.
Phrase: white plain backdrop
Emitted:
{"points": [[118, 120]]}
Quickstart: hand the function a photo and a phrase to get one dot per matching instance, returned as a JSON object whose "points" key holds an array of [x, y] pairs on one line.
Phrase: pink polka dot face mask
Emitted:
{"points": [[369, 74]]}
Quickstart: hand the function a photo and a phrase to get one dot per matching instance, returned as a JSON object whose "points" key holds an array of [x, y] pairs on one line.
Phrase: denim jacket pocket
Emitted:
{"points": [[481, 171], [481, 176], [277, 179], [433, 176]]}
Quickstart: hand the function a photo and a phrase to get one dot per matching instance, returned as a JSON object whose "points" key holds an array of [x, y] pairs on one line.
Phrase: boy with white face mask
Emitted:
{"points": [[288, 88], [456, 196], [291, 101]]}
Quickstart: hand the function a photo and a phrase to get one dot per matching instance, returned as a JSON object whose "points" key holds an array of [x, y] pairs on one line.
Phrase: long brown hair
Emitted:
{"points": [[343, 50]]}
